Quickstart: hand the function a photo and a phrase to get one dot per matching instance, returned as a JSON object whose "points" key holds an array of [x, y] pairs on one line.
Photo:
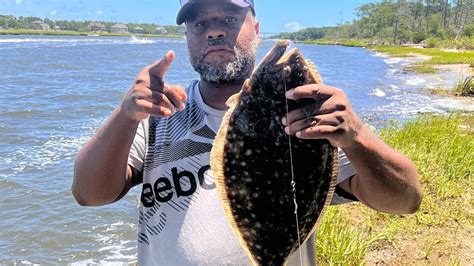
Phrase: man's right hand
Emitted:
{"points": [[150, 95]]}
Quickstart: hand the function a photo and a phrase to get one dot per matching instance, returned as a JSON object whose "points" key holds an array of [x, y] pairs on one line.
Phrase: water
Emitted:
{"points": [[56, 91]]}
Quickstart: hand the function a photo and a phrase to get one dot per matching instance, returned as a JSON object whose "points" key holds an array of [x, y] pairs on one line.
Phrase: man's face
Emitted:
{"points": [[222, 42]]}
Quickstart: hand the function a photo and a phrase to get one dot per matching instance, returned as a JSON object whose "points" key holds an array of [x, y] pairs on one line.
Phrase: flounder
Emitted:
{"points": [[253, 168]]}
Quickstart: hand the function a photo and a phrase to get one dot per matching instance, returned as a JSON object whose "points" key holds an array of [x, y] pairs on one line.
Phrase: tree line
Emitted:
{"points": [[401, 21], [12, 22]]}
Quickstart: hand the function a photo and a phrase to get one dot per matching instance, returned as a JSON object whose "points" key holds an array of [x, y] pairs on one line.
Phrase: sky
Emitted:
{"points": [[274, 15]]}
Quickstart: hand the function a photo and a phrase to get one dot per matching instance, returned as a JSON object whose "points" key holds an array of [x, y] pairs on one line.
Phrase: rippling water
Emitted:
{"points": [[56, 91]]}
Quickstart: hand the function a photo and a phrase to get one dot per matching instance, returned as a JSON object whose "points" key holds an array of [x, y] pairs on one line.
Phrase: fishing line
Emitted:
{"points": [[287, 71]]}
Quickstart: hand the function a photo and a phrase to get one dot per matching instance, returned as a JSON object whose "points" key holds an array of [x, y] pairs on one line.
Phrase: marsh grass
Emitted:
{"points": [[421, 68], [342, 42], [340, 242], [458, 43], [442, 148], [438, 57], [465, 88]]}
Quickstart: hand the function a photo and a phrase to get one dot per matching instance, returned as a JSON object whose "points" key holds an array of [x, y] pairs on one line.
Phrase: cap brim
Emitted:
{"points": [[183, 12]]}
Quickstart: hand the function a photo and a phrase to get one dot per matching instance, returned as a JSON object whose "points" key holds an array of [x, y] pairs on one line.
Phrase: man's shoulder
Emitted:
{"points": [[192, 85]]}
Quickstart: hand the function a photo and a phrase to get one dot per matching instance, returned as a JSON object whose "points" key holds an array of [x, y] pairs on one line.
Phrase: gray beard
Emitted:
{"points": [[235, 71]]}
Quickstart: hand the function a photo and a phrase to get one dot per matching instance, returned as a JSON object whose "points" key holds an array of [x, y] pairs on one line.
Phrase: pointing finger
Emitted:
{"points": [[159, 69]]}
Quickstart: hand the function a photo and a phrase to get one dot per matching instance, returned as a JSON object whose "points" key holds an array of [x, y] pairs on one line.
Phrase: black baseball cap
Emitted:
{"points": [[186, 6]]}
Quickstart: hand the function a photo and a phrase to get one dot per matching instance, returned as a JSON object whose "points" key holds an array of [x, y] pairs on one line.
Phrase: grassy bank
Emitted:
{"points": [[442, 231], [459, 43], [349, 43], [465, 87], [438, 56], [79, 33], [463, 43]]}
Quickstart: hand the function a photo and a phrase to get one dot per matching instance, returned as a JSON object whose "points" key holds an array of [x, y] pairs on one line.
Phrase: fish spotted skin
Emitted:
{"points": [[251, 163]]}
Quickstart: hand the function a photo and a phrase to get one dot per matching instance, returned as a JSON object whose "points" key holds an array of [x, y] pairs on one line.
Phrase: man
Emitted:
{"points": [[161, 136]]}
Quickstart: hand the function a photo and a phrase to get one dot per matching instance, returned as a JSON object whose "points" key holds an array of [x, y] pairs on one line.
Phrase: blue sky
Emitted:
{"points": [[274, 15]]}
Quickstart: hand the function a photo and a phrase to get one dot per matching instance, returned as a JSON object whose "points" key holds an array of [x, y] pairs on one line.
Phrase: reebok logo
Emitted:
{"points": [[164, 189]]}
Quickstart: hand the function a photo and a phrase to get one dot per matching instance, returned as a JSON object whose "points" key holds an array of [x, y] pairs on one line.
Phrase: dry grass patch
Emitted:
{"points": [[442, 231]]}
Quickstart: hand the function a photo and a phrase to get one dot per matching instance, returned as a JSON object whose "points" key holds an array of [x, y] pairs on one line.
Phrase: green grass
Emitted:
{"points": [[466, 43], [340, 242], [442, 148], [459, 43], [437, 143], [421, 68], [437, 56], [465, 88], [350, 43], [80, 33]]}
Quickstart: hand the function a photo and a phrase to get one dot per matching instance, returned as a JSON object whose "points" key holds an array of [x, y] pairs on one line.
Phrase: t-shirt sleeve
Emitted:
{"points": [[346, 171], [137, 152]]}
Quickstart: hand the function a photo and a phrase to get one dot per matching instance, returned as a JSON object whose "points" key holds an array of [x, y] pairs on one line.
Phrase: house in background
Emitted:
{"points": [[181, 30], [119, 28], [160, 30], [56, 27], [95, 27], [40, 25], [138, 30]]}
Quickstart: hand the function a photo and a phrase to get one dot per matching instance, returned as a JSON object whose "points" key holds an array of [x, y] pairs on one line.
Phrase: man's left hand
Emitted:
{"points": [[331, 117]]}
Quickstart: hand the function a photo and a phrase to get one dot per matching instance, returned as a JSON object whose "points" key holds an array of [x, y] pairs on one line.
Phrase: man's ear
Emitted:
{"points": [[256, 27]]}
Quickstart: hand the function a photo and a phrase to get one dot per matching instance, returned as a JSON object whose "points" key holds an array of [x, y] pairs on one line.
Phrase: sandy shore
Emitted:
{"points": [[463, 69]]}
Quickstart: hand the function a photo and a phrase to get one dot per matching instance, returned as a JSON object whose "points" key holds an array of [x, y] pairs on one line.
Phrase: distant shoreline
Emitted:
{"points": [[427, 61], [431, 60], [91, 34]]}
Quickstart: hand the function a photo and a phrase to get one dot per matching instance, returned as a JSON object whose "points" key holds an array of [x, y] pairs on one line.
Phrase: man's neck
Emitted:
{"points": [[216, 96]]}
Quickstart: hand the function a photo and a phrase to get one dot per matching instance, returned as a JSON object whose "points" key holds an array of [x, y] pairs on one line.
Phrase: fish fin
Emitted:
{"points": [[217, 168], [233, 100], [332, 189], [310, 64], [314, 75], [247, 85]]}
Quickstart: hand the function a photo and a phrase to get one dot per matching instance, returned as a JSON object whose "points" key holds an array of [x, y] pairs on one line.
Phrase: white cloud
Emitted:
{"points": [[99, 12], [18, 2], [54, 12], [293, 26]]}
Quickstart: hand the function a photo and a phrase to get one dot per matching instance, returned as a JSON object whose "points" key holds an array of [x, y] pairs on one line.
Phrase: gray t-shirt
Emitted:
{"points": [[181, 221]]}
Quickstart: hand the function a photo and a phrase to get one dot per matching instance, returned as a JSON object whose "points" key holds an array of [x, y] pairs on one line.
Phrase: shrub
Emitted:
{"points": [[465, 88]]}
